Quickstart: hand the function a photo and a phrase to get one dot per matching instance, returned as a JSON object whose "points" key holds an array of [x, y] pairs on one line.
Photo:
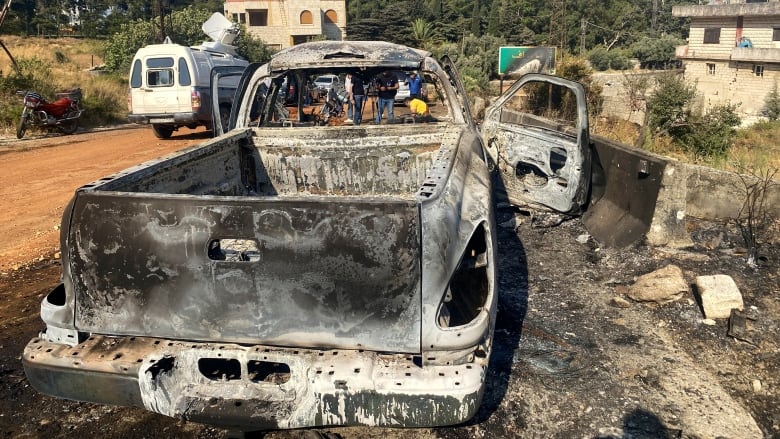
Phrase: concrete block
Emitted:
{"points": [[719, 295]]}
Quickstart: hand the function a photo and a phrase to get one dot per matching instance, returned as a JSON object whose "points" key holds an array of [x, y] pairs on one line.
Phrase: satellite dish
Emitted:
{"points": [[220, 29]]}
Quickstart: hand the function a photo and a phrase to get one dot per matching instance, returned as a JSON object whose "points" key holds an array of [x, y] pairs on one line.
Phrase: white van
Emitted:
{"points": [[169, 83]]}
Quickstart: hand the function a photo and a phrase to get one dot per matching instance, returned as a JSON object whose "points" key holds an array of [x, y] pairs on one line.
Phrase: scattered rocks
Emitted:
{"points": [[719, 295], [619, 302], [756, 386], [662, 286], [709, 322]]}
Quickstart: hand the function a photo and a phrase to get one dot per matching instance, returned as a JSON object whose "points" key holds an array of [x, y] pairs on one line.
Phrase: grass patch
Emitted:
{"points": [[755, 147], [49, 66]]}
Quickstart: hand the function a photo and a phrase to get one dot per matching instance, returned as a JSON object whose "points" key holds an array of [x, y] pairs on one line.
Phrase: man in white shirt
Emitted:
{"points": [[348, 89]]}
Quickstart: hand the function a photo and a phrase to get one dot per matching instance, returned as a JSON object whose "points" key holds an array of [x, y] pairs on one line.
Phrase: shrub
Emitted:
{"points": [[711, 135], [577, 69], [669, 105], [772, 104], [104, 101], [657, 53], [60, 57], [670, 114], [603, 59]]}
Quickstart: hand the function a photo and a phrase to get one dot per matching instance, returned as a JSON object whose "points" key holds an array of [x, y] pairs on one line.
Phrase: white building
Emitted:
{"points": [[733, 52], [284, 23]]}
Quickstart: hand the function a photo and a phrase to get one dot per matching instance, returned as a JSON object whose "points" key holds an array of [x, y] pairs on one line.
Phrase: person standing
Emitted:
{"points": [[348, 89], [387, 87], [415, 86], [357, 98]]}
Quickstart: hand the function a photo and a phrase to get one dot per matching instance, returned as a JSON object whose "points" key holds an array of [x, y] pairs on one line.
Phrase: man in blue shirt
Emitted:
{"points": [[415, 86]]}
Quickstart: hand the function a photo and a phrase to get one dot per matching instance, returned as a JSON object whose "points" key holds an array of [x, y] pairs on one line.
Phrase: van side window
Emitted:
{"points": [[135, 75], [184, 73]]}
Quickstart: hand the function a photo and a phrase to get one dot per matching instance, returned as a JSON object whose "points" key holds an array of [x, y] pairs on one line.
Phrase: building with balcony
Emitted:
{"points": [[284, 23], [733, 52]]}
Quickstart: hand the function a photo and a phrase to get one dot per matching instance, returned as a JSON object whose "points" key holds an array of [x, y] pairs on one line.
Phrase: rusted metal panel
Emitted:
{"points": [[222, 384], [624, 193], [349, 270], [323, 54]]}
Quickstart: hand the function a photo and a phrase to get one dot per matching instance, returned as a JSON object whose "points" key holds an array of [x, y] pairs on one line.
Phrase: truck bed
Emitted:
{"points": [[241, 239], [265, 162]]}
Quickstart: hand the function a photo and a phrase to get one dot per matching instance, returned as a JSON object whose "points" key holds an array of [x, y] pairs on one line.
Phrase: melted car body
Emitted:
{"points": [[294, 271]]}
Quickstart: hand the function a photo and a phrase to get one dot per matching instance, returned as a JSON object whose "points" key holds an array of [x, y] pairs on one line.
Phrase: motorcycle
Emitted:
{"points": [[333, 106], [62, 114]]}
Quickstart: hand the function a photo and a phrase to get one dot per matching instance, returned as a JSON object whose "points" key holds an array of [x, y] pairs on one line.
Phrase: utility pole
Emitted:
{"points": [[583, 25], [162, 8], [3, 13], [558, 33], [654, 19]]}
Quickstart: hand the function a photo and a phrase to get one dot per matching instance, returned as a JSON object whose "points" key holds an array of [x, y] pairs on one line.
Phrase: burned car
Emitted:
{"points": [[291, 272]]}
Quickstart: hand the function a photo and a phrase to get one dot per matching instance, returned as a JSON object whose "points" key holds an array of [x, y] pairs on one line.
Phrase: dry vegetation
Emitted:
{"points": [[756, 147], [52, 65]]}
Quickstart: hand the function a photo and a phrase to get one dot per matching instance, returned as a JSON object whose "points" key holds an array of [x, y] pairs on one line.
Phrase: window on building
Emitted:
{"points": [[239, 17], [776, 34], [712, 35], [758, 70], [710, 68], [258, 17], [306, 17], [331, 16]]}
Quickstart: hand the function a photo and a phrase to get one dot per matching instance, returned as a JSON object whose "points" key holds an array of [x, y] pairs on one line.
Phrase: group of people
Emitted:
{"points": [[386, 85]]}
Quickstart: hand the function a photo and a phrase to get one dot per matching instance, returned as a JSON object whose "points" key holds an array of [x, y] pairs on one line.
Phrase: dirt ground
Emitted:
{"points": [[566, 362]]}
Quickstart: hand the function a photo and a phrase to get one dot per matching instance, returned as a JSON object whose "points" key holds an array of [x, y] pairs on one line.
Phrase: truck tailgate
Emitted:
{"points": [[318, 271]]}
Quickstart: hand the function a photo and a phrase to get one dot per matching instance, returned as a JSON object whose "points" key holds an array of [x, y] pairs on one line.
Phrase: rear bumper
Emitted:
{"points": [[167, 118], [257, 387]]}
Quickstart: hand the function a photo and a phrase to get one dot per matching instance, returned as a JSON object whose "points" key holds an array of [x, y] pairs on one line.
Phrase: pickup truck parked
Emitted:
{"points": [[292, 274]]}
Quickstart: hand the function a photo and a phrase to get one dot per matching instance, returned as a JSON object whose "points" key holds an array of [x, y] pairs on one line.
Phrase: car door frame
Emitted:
{"points": [[565, 193], [218, 73]]}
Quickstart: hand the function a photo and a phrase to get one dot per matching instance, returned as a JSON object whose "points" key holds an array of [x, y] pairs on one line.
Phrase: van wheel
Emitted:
{"points": [[162, 131]]}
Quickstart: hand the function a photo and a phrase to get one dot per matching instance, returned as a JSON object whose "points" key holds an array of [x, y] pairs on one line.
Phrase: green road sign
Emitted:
{"points": [[519, 60]]}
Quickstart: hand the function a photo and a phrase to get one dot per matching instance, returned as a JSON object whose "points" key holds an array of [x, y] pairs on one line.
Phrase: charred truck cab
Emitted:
{"points": [[292, 272]]}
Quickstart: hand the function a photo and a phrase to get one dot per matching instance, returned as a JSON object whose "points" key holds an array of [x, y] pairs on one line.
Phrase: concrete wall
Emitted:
{"points": [[676, 191]]}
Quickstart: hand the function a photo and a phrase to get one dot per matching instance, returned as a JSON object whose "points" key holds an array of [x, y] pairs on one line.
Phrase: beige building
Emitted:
{"points": [[284, 23], [733, 52]]}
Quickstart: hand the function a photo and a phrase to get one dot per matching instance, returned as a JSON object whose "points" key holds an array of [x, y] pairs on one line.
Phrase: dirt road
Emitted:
{"points": [[38, 176], [565, 363]]}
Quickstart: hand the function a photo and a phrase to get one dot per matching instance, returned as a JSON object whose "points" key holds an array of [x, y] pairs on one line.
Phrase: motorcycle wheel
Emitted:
{"points": [[22, 126], [68, 126]]}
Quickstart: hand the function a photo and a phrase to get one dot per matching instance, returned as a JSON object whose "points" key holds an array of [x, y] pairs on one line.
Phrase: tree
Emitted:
{"points": [[669, 107], [657, 53], [185, 30], [422, 31], [476, 22]]}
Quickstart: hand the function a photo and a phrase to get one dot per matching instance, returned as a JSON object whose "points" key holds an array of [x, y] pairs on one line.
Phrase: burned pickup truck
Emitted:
{"points": [[295, 272]]}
